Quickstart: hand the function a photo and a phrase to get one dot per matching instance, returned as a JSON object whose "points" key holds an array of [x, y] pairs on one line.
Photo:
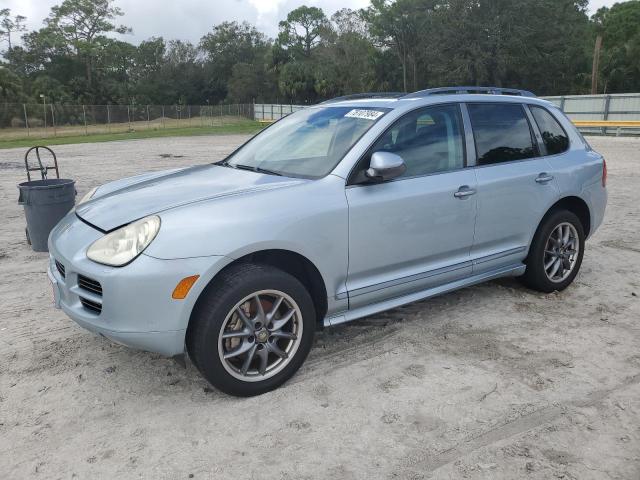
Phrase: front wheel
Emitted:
{"points": [[251, 330], [556, 252]]}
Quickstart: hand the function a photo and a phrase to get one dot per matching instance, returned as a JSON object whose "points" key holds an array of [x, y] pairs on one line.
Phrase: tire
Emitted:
{"points": [[546, 249], [257, 329]]}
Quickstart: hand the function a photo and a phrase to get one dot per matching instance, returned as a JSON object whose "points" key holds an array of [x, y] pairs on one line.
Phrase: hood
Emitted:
{"points": [[124, 201]]}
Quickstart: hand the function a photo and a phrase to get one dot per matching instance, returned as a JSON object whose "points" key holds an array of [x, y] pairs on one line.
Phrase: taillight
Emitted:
{"points": [[604, 172]]}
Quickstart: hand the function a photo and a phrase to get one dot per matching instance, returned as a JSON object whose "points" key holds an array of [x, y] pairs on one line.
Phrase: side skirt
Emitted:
{"points": [[365, 311]]}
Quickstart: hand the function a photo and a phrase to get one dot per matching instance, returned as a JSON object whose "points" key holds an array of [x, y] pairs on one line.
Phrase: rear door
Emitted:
{"points": [[515, 187]]}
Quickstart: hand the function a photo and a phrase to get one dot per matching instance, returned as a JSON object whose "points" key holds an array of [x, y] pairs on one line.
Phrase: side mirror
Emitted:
{"points": [[385, 166]]}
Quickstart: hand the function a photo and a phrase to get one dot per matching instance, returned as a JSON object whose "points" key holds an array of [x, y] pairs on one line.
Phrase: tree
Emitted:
{"points": [[9, 25], [401, 25], [82, 24], [296, 81], [230, 44], [620, 29], [534, 44], [146, 72], [302, 30], [182, 73], [302, 76], [350, 53], [250, 82], [542, 45], [10, 86]]}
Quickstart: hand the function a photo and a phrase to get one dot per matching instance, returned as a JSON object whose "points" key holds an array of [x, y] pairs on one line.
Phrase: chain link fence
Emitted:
{"points": [[21, 121], [268, 112], [18, 120]]}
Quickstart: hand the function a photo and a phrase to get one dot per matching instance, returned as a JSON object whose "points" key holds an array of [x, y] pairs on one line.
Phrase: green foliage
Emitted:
{"points": [[302, 31], [10, 86], [10, 25], [620, 61], [230, 44], [392, 45]]}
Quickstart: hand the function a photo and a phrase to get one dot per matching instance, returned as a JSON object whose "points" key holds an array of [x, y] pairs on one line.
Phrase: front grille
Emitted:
{"points": [[91, 306], [60, 268], [90, 285]]}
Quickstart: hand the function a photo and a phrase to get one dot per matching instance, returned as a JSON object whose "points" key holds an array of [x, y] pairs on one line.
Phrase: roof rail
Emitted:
{"points": [[483, 90], [356, 96]]}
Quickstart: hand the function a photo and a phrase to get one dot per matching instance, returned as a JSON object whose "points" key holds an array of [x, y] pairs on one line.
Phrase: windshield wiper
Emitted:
{"points": [[267, 171], [253, 169]]}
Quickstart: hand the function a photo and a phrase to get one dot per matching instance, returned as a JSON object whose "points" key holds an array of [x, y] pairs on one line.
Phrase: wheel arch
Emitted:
{"points": [[572, 203], [291, 262], [575, 205]]}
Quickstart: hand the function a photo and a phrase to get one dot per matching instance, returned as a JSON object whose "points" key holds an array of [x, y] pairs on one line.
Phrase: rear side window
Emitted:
{"points": [[553, 135], [501, 132]]}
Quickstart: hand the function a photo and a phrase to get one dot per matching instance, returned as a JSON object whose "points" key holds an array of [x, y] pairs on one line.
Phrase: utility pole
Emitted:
{"points": [[595, 68]]}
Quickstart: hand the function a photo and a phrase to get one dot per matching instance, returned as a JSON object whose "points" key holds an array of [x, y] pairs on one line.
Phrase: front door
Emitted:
{"points": [[416, 231]]}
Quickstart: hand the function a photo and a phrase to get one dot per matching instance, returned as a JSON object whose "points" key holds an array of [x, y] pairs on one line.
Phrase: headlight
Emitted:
{"points": [[122, 246], [88, 196]]}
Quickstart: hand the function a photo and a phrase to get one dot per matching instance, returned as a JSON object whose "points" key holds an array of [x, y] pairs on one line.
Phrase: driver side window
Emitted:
{"points": [[429, 140]]}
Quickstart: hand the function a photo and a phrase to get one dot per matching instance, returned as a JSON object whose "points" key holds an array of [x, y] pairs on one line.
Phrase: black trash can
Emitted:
{"points": [[45, 203]]}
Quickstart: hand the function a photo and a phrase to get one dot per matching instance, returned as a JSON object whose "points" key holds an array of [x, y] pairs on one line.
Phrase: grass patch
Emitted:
{"points": [[240, 127]]}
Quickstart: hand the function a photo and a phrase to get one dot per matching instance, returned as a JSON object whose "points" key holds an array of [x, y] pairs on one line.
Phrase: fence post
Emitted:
{"points": [[128, 119], [108, 119], [162, 119], [53, 121], [272, 112], [84, 117], [607, 105], [189, 113], [562, 102], [26, 119], [177, 115], [148, 119]]}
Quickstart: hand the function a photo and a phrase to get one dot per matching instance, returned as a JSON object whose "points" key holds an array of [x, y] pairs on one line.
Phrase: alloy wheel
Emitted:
{"points": [[260, 335], [561, 252]]}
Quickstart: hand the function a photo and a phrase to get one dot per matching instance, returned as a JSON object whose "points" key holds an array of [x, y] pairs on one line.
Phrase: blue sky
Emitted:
{"points": [[190, 19]]}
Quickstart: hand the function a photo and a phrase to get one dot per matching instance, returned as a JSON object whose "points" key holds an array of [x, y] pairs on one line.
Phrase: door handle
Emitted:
{"points": [[544, 178], [464, 192]]}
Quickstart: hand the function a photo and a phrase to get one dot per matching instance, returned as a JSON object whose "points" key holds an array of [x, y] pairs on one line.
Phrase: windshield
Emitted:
{"points": [[308, 143]]}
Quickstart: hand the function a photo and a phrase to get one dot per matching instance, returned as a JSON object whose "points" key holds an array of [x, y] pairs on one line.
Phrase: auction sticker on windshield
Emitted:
{"points": [[365, 114]]}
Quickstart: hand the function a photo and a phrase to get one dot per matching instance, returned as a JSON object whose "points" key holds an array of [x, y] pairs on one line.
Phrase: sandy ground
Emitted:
{"points": [[491, 382]]}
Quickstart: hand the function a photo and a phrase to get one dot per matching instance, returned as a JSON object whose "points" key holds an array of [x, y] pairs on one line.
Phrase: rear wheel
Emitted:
{"points": [[556, 252], [251, 330]]}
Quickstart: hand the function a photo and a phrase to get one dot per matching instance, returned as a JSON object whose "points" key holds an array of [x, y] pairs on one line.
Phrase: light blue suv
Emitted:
{"points": [[336, 212]]}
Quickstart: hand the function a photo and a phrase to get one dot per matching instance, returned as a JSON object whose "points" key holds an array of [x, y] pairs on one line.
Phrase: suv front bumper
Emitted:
{"points": [[131, 305]]}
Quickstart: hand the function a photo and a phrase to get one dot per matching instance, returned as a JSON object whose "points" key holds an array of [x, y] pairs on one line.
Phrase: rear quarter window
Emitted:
{"points": [[555, 138]]}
